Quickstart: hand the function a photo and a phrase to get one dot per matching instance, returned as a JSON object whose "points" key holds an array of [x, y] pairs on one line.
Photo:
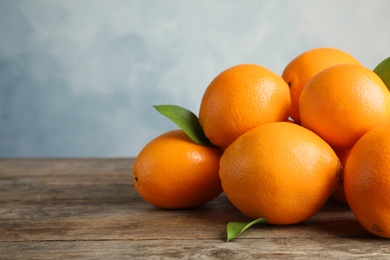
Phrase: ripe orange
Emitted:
{"points": [[279, 171], [241, 98], [302, 68], [171, 171], [339, 194], [343, 102], [367, 181]]}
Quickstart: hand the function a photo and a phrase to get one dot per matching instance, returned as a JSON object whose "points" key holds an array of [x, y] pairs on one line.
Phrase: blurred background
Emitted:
{"points": [[79, 78]]}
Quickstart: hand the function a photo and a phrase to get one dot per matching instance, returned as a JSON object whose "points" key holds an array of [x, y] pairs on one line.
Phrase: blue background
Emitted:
{"points": [[79, 78]]}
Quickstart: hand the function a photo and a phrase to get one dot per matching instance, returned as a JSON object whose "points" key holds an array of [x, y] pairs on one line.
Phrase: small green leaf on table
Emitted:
{"points": [[234, 229]]}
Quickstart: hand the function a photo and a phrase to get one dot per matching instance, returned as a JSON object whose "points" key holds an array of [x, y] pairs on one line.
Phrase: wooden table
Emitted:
{"points": [[88, 208]]}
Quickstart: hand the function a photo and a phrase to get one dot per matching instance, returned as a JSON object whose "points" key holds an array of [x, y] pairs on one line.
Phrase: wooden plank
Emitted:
{"points": [[65, 179], [52, 188], [138, 221], [65, 167], [88, 208], [277, 248]]}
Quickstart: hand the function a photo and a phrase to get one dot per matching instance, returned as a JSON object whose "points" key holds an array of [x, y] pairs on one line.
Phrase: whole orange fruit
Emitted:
{"points": [[343, 102], [367, 181], [339, 194], [241, 98], [171, 171], [279, 171], [306, 65]]}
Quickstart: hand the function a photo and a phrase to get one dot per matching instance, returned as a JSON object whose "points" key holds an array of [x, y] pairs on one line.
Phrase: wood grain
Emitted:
{"points": [[88, 208]]}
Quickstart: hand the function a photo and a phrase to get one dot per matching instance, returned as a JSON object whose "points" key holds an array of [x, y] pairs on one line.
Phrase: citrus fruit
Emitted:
{"points": [[367, 181], [171, 171], [339, 194], [303, 67], [279, 171], [343, 102], [241, 98]]}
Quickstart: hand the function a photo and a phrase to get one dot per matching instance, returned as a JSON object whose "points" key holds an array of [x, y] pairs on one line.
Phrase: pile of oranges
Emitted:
{"points": [[281, 145]]}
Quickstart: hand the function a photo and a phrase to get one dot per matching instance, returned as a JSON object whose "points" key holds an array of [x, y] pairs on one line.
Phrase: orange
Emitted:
{"points": [[343, 102], [241, 98], [279, 171], [367, 181], [171, 171], [302, 68], [339, 194]]}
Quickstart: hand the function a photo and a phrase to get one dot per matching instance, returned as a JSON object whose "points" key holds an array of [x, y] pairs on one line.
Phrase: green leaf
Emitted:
{"points": [[383, 71], [186, 120], [234, 229]]}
